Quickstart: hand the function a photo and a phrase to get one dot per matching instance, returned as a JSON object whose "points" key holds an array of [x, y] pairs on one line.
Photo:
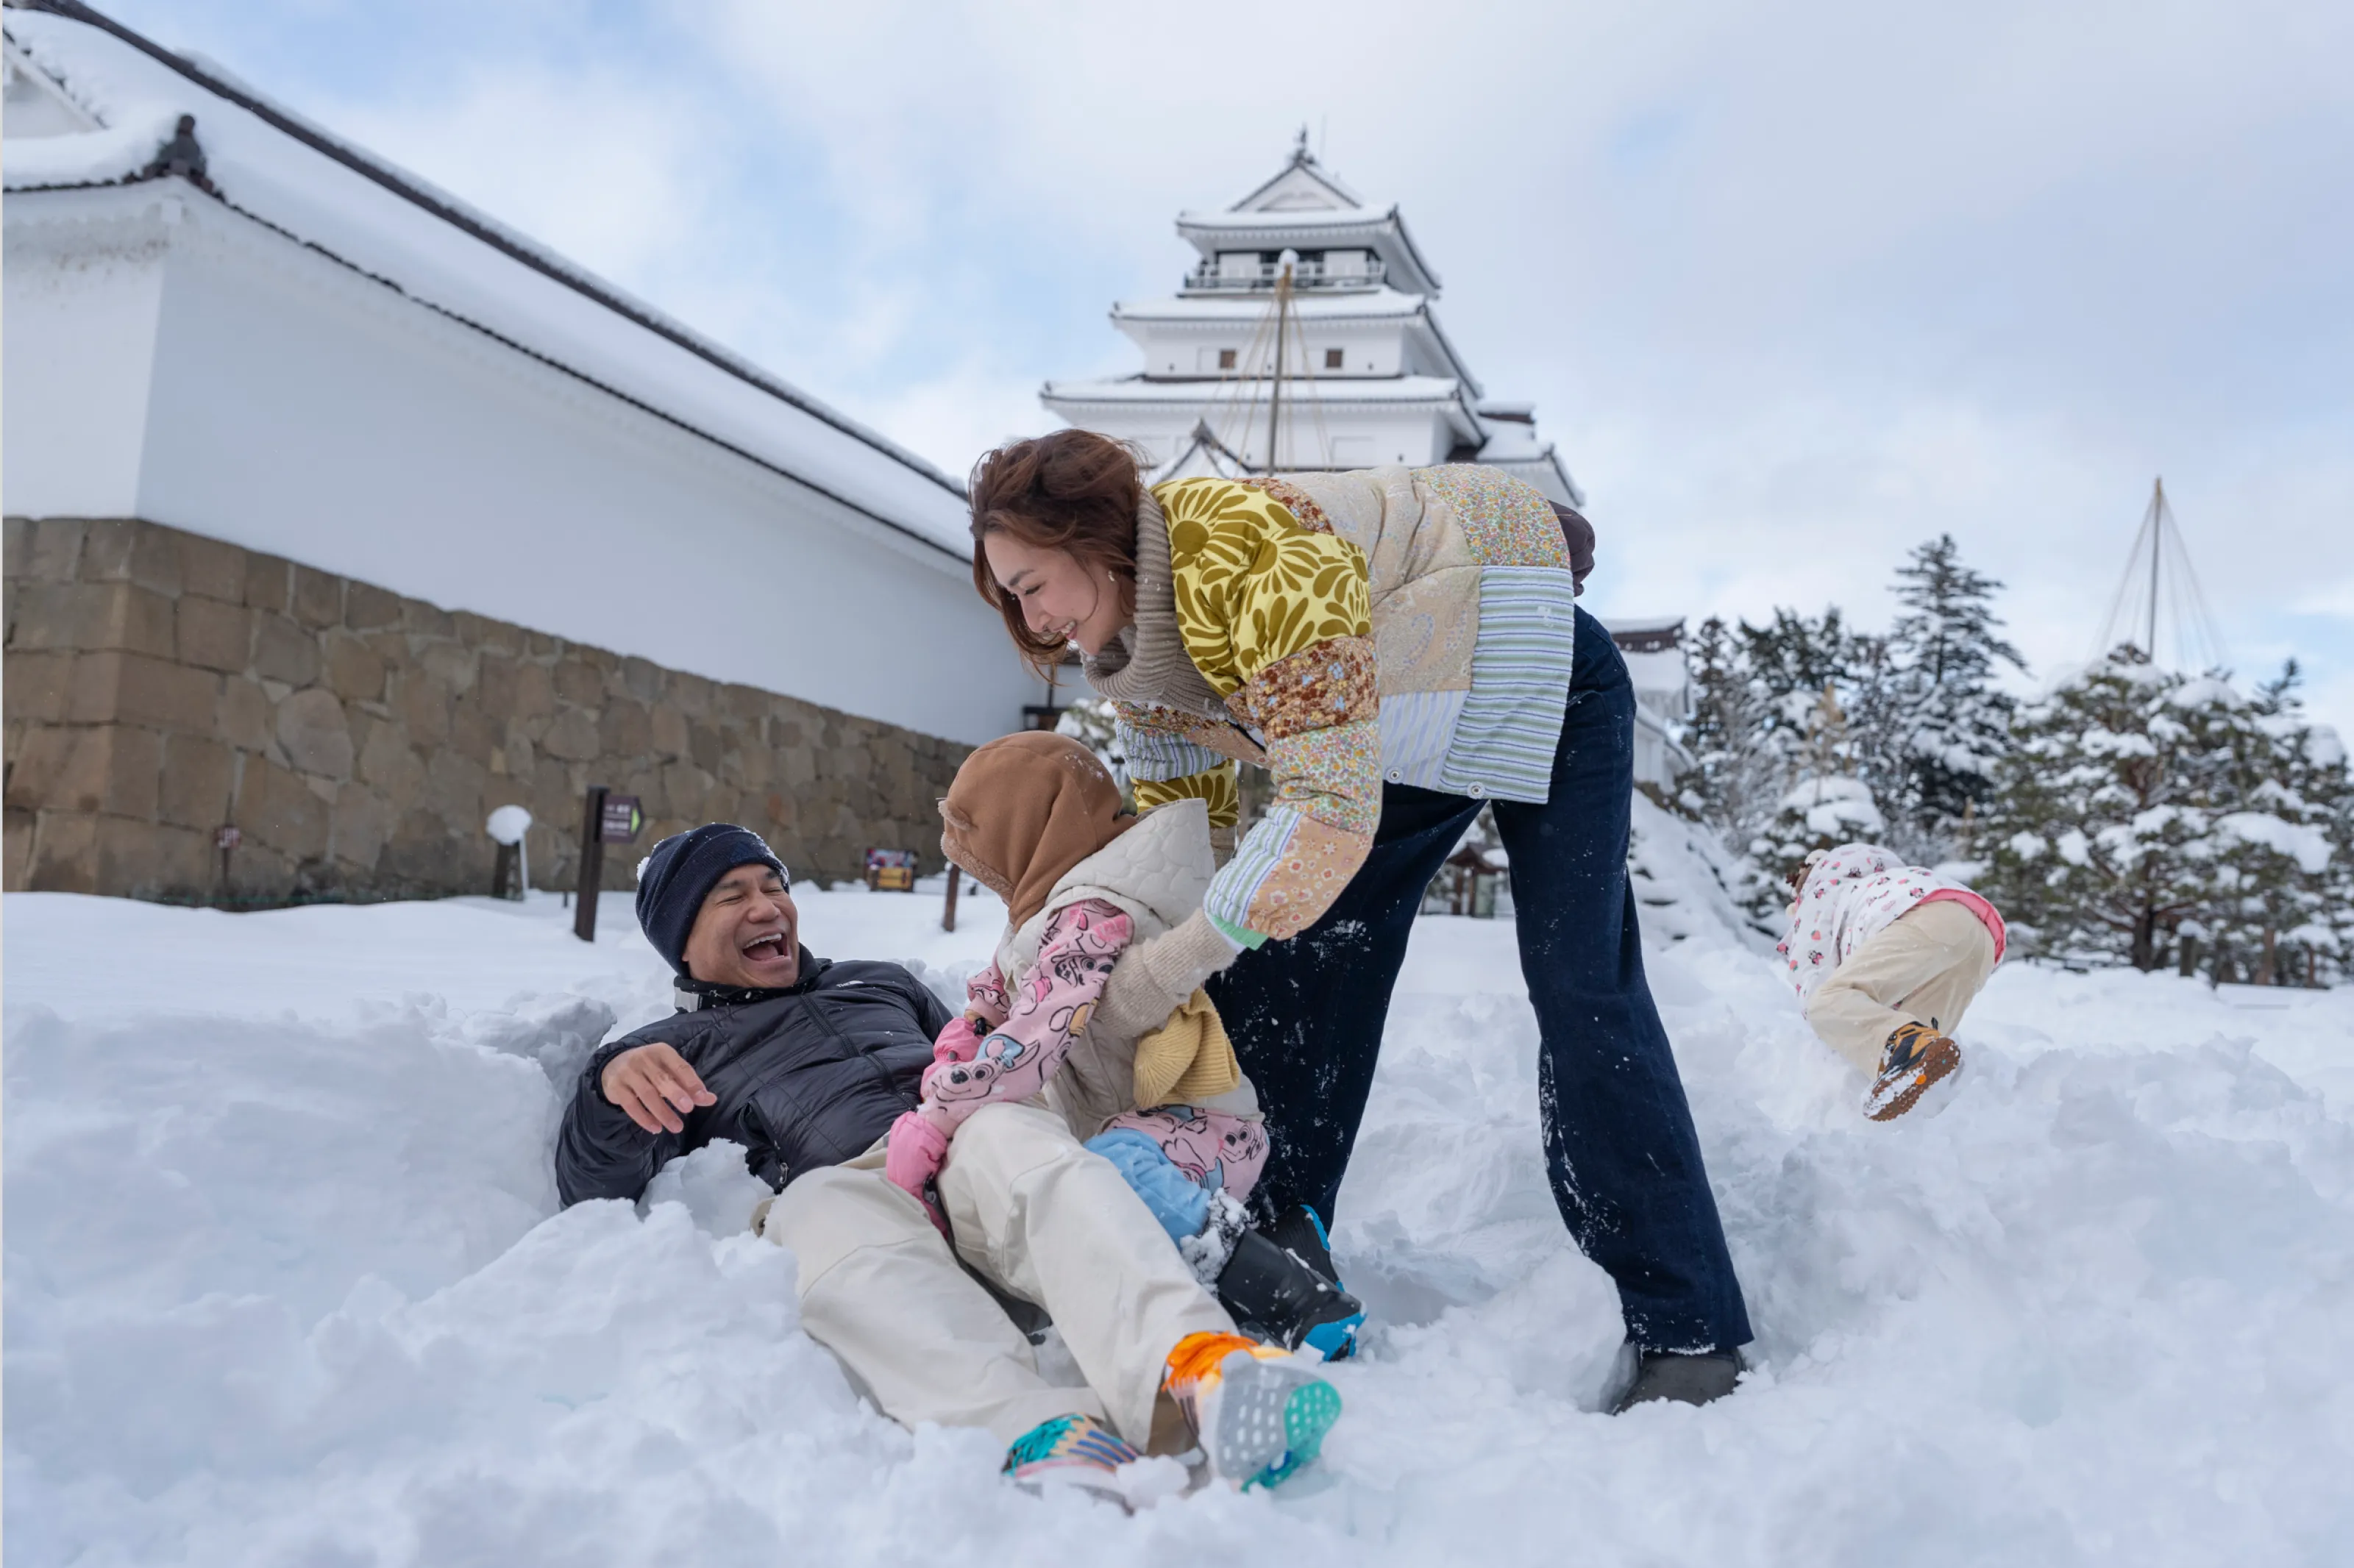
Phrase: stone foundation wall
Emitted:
{"points": [[160, 685]]}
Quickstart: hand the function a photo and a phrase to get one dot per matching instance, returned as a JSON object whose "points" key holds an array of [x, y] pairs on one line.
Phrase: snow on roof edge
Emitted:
{"points": [[482, 227]]}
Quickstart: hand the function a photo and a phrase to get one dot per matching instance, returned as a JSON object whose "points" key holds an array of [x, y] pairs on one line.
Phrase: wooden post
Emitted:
{"points": [[947, 917], [592, 863]]}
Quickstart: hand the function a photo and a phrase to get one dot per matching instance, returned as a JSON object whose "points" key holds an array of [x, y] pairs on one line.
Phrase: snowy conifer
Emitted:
{"points": [[2098, 837], [1828, 805], [1954, 723], [1736, 776]]}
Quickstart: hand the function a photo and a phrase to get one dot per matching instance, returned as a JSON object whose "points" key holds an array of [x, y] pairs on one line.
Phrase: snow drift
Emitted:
{"points": [[285, 1281]]}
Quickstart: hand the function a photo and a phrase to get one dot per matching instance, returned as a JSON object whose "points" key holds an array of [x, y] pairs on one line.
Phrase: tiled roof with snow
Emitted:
{"points": [[408, 235]]}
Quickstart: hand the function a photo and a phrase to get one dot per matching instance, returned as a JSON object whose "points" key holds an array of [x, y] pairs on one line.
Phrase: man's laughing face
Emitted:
{"points": [[748, 932]]}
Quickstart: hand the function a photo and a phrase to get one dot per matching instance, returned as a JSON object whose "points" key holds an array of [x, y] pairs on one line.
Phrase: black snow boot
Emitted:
{"points": [[1299, 1232], [1686, 1377], [1273, 1296]]}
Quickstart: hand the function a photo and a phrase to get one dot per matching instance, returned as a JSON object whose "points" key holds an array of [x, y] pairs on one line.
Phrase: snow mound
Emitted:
{"points": [[286, 1282]]}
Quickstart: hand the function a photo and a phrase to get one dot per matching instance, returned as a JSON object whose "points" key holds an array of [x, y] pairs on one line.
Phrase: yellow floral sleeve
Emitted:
{"points": [[1217, 787], [1277, 617]]}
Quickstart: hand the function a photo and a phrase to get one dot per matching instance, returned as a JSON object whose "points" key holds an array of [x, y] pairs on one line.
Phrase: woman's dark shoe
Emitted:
{"points": [[1684, 1376], [1917, 1060]]}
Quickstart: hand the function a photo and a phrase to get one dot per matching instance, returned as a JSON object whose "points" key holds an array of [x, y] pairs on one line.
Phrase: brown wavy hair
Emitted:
{"points": [[1073, 491]]}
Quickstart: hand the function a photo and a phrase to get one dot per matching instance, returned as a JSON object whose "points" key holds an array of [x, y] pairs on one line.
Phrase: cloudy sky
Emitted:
{"points": [[1794, 286]]}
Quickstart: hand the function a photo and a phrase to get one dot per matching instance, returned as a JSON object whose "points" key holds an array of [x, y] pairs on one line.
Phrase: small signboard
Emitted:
{"points": [[891, 870], [622, 821]]}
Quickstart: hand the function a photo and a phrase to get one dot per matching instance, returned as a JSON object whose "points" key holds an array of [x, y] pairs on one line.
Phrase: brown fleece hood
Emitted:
{"points": [[1025, 808]]}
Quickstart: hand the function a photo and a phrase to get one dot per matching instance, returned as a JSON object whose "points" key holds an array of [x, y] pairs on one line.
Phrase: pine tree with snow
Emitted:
{"points": [[1827, 806], [2280, 900], [1736, 776], [1952, 724], [2098, 836]]}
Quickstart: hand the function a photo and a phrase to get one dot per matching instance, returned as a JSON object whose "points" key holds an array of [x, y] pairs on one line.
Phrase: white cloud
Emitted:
{"points": [[1794, 286]]}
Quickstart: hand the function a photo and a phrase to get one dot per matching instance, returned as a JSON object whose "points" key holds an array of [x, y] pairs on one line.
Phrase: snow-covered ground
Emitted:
{"points": [[285, 1280]]}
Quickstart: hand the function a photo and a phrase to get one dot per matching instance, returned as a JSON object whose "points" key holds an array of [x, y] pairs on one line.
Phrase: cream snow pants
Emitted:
{"points": [[1044, 1219], [1926, 967]]}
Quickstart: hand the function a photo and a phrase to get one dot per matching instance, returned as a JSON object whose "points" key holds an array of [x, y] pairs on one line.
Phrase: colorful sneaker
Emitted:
{"points": [[1259, 1412], [1916, 1059], [1069, 1451]]}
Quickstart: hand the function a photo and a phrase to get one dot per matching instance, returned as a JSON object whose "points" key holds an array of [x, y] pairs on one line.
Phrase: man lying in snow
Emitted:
{"points": [[807, 1063]]}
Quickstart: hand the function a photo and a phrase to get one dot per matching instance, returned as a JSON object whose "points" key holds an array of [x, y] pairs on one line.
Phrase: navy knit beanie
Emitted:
{"points": [[680, 874]]}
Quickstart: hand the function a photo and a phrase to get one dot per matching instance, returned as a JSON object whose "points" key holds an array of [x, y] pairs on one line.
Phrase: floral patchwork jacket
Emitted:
{"points": [[1413, 625]]}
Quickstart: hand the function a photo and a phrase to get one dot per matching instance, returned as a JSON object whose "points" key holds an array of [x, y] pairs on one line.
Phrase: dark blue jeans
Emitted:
{"points": [[1307, 1014]]}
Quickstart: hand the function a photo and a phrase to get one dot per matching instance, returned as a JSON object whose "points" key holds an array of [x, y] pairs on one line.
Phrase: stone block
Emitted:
{"points": [[197, 773], [745, 704], [277, 810], [475, 734], [353, 669], [535, 693], [687, 790], [626, 729], [706, 746], [36, 686], [389, 763], [117, 550], [669, 732], [449, 662], [426, 619], [64, 855], [318, 598], [573, 737], [367, 608], [243, 715], [580, 684], [16, 860], [284, 651], [213, 634], [422, 704], [598, 658], [454, 786], [496, 636], [108, 687], [150, 860], [52, 551], [93, 616], [362, 826], [212, 569], [315, 734], [268, 583], [691, 694], [642, 678]]}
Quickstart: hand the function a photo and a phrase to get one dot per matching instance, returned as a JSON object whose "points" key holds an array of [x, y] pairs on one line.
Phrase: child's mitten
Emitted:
{"points": [[917, 1151], [1176, 1200], [960, 1042]]}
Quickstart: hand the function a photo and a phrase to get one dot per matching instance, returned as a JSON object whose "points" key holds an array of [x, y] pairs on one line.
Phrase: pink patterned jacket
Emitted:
{"points": [[1013, 1039]]}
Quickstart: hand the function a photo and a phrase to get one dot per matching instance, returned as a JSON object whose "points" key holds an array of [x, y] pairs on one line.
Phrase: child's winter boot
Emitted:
{"points": [[1274, 1294], [1916, 1059], [1259, 1412], [1299, 1231], [1077, 1451]]}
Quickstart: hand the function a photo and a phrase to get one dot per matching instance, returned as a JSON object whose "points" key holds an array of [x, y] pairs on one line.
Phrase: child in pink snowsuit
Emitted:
{"points": [[1885, 957], [1038, 820]]}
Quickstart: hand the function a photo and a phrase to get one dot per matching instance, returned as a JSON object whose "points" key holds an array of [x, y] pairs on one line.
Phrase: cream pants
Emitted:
{"points": [[1045, 1221], [1927, 967]]}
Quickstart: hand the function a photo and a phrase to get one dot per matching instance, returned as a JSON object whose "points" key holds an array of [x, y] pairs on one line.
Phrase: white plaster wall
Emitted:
{"points": [[300, 409], [77, 347]]}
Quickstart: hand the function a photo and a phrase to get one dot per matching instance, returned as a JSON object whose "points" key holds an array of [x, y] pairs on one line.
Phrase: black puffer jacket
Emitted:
{"points": [[806, 1077]]}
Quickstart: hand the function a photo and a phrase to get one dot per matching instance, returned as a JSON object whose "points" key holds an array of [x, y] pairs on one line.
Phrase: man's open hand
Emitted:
{"points": [[655, 1087]]}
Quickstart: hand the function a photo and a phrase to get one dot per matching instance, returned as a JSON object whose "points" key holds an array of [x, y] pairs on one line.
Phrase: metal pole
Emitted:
{"points": [[1275, 398], [592, 863], [948, 919], [2156, 543]]}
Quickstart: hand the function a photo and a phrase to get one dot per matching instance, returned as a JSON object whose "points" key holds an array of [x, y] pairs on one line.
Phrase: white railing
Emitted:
{"points": [[1264, 275]]}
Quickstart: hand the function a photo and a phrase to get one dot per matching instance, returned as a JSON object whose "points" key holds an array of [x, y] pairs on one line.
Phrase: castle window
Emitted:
{"points": [[1226, 359], [1332, 359]]}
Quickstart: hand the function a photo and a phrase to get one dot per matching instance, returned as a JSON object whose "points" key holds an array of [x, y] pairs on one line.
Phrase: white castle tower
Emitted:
{"points": [[1306, 336]]}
